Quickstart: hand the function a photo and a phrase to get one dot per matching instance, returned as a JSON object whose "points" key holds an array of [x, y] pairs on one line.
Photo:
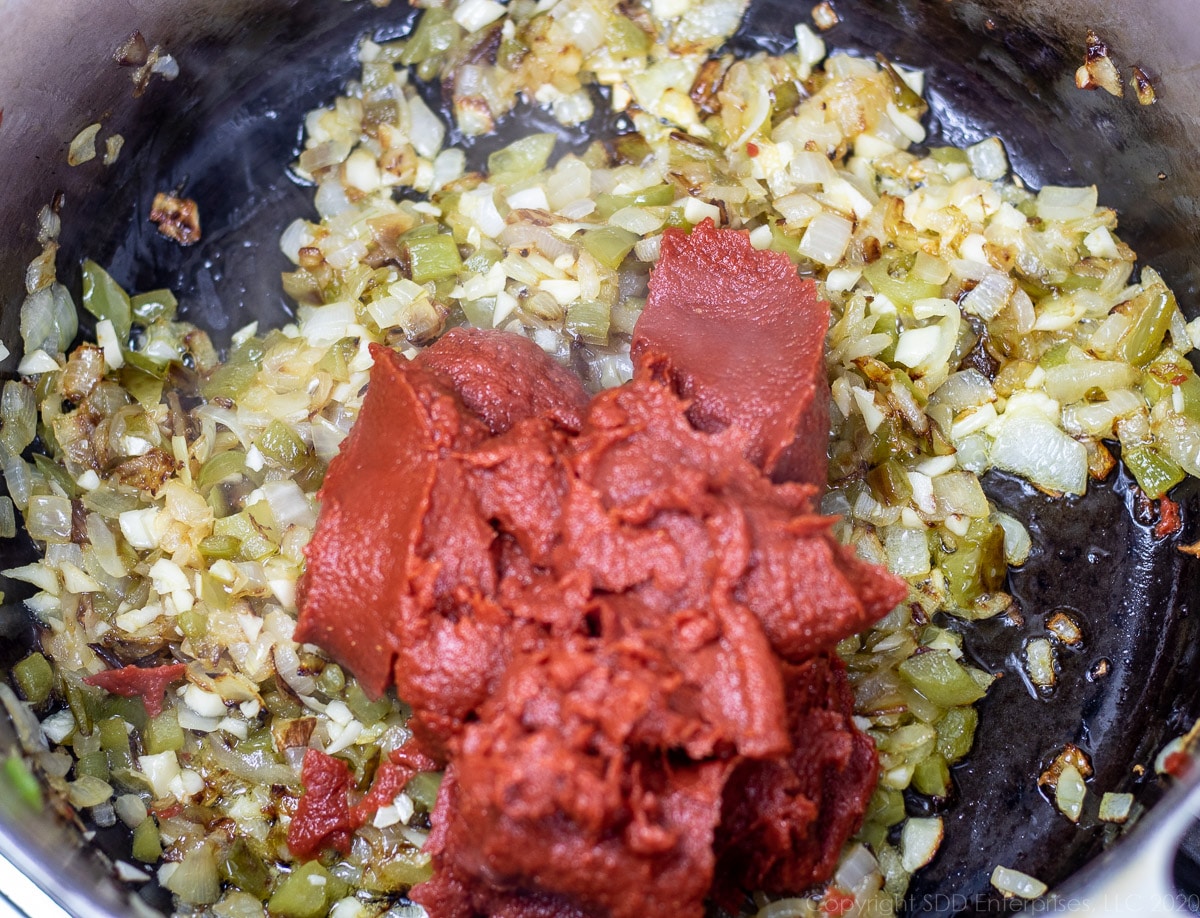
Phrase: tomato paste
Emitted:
{"points": [[613, 618], [146, 682]]}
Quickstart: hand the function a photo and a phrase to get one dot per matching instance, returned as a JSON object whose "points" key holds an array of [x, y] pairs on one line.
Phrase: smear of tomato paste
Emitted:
{"points": [[146, 682]]}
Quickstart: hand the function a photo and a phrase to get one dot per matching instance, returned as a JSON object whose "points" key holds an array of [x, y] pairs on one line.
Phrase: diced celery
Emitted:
{"points": [[153, 305], [623, 38], [1189, 391], [784, 99], [423, 788], [1056, 356], [510, 53], [1145, 336], [888, 324], [147, 846], [152, 365], [163, 733], [132, 710], [301, 894], [436, 33], [956, 733], [363, 708], [890, 483], [34, 677], [337, 359], [92, 764], [331, 680], [654, 196], [1171, 376], [252, 544], [609, 244], [1156, 474], [890, 276], [521, 159], [146, 388], [621, 150], [1075, 282], [260, 741], [215, 547], [54, 472], [932, 776], [104, 298], [230, 380], [941, 678], [245, 869], [433, 257], [81, 699], [405, 870], [886, 806], [221, 467], [193, 623], [976, 566], [281, 705], [23, 781], [589, 319], [279, 443], [113, 734], [676, 220], [949, 155], [782, 241]]}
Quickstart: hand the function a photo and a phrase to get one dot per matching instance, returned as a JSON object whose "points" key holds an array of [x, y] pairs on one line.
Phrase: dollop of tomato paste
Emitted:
{"points": [[613, 618]]}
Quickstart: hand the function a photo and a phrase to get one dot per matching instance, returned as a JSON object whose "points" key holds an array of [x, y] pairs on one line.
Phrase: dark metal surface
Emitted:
{"points": [[225, 131]]}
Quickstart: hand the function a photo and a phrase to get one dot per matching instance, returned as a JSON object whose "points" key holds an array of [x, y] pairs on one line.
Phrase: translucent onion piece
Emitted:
{"points": [[1014, 883]]}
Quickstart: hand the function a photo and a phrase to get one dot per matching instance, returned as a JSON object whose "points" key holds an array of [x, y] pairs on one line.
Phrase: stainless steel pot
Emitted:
{"points": [[226, 129]]}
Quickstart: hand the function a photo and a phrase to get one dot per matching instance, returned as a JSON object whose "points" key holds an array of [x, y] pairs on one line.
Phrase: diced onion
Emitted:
{"points": [[428, 133], [87, 790], [1055, 202], [988, 159], [907, 551], [989, 297], [473, 15], [919, 841], [1017, 543], [1039, 662], [1069, 793], [83, 146], [1115, 807], [196, 879], [1069, 382], [1014, 883], [289, 505], [1038, 451]]}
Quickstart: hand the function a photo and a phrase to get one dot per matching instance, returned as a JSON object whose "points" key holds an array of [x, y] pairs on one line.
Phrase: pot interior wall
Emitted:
{"points": [[225, 131]]}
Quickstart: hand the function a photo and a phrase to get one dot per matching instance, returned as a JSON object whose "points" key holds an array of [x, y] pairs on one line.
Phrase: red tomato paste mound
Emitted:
{"points": [[614, 618]]}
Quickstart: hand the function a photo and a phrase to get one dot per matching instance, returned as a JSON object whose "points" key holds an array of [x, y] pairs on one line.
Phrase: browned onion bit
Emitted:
{"points": [[824, 16], [1070, 755], [177, 218], [1098, 70], [133, 51], [1142, 86]]}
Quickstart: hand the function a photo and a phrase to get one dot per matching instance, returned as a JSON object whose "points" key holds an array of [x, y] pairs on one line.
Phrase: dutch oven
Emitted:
{"points": [[227, 127]]}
